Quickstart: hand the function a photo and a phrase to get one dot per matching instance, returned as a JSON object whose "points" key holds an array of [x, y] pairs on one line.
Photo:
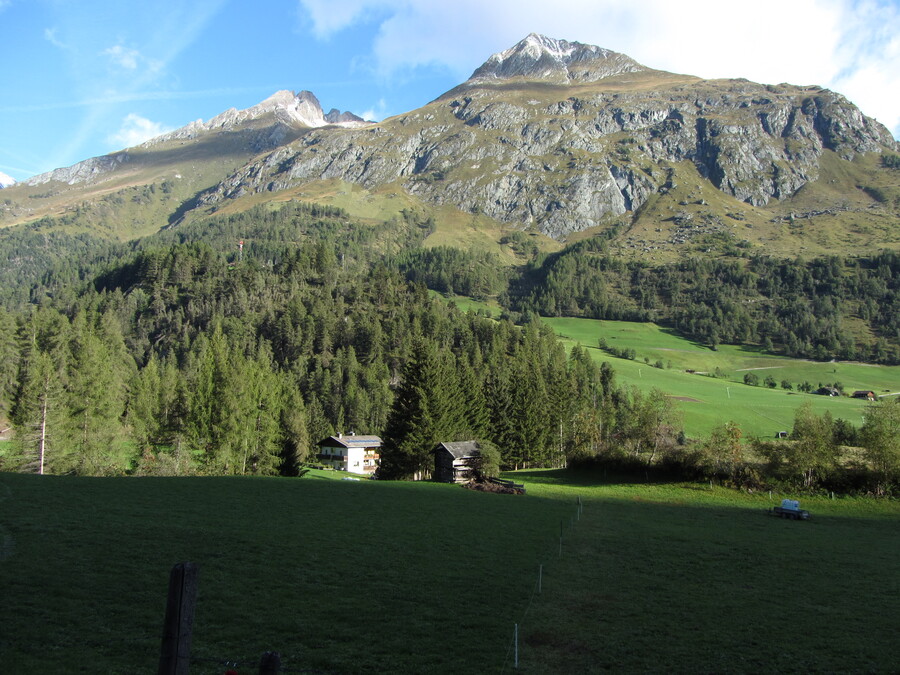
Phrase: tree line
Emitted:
{"points": [[800, 308], [183, 354]]}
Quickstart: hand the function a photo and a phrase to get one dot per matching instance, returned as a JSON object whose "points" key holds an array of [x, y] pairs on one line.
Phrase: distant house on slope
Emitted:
{"points": [[455, 462], [868, 395], [356, 454], [828, 391]]}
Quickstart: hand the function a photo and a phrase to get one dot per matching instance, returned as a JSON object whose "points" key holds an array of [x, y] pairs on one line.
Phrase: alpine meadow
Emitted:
{"points": [[634, 310]]}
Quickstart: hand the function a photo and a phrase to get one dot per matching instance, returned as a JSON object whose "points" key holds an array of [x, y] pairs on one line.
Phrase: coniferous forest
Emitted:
{"points": [[183, 354]]}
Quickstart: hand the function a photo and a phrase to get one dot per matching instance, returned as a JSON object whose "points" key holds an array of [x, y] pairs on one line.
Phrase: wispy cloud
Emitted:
{"points": [[135, 130], [50, 35], [376, 113], [123, 57]]}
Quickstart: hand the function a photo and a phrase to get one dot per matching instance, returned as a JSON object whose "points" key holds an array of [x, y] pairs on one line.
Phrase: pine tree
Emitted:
{"points": [[94, 404], [427, 410], [37, 415]]}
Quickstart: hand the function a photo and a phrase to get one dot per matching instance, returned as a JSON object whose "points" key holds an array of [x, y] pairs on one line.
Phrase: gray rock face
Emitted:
{"points": [[567, 165], [81, 172]]}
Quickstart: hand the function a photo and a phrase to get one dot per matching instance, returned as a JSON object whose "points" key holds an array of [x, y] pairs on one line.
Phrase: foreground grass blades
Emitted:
{"points": [[342, 576]]}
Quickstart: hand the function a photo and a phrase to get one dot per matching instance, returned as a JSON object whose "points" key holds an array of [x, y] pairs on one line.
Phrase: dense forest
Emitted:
{"points": [[170, 356], [184, 353], [831, 307]]}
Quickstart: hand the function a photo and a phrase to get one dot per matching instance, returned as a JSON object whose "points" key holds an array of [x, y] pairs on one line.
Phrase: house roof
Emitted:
{"points": [[460, 449], [351, 441]]}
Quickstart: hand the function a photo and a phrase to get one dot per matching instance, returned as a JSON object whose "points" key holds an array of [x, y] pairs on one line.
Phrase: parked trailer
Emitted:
{"points": [[790, 509]]}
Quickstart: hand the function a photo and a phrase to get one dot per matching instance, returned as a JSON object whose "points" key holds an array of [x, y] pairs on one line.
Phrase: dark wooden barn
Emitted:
{"points": [[455, 462]]}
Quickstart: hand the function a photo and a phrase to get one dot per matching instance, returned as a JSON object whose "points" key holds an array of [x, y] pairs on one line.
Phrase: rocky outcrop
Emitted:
{"points": [[82, 172], [553, 135], [567, 164], [6, 181]]}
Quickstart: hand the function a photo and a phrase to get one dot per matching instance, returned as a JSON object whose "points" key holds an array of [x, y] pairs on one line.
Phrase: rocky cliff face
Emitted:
{"points": [[563, 158]]}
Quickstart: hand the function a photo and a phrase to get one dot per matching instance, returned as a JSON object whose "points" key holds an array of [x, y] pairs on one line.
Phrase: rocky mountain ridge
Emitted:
{"points": [[549, 136], [6, 181], [560, 159], [277, 116]]}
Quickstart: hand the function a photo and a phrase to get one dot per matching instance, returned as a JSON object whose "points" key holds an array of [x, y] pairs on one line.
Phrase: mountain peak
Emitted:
{"points": [[6, 181], [544, 58]]}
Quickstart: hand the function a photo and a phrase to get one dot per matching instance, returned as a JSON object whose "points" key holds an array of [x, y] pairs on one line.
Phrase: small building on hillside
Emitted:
{"points": [[827, 391], [356, 454], [455, 462], [868, 395]]}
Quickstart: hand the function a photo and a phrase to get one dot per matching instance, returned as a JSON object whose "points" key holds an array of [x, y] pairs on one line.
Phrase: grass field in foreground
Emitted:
{"points": [[343, 576]]}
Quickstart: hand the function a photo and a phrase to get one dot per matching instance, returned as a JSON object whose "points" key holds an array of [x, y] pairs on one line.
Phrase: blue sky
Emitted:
{"points": [[80, 78]]}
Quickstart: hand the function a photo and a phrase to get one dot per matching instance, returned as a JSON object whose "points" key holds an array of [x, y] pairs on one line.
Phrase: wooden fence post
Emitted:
{"points": [[270, 664], [175, 655]]}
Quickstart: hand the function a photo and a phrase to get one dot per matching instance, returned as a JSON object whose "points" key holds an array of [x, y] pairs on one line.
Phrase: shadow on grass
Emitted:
{"points": [[668, 330]]}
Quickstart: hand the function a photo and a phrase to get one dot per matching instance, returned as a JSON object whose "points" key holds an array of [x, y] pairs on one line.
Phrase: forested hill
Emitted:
{"points": [[184, 353], [181, 356], [823, 308]]}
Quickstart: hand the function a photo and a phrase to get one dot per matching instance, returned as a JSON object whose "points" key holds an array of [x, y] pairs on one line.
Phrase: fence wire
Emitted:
{"points": [[534, 590]]}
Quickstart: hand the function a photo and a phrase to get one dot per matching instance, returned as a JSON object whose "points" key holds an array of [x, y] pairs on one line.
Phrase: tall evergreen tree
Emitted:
{"points": [[95, 404], [427, 410]]}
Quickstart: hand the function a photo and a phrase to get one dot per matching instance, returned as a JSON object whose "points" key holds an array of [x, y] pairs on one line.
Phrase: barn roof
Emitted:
{"points": [[460, 449], [351, 441]]}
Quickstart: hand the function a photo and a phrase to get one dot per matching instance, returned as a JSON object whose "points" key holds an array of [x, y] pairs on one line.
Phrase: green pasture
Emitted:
{"points": [[338, 576], [708, 401], [363, 576], [684, 578]]}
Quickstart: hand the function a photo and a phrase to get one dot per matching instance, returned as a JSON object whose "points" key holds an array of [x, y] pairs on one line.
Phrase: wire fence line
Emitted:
{"points": [[536, 589]]}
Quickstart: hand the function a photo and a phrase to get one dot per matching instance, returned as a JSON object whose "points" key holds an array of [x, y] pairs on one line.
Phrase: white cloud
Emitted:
{"points": [[376, 113], [329, 17], [847, 45], [135, 130], [123, 56], [50, 36]]}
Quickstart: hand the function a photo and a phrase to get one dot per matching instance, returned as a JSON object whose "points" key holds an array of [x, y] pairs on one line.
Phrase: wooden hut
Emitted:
{"points": [[455, 462]]}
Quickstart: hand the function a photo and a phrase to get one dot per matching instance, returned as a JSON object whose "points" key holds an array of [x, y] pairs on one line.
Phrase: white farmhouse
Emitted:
{"points": [[356, 454]]}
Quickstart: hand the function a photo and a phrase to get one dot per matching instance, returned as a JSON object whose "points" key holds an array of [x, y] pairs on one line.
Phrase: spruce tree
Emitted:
{"points": [[427, 410]]}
